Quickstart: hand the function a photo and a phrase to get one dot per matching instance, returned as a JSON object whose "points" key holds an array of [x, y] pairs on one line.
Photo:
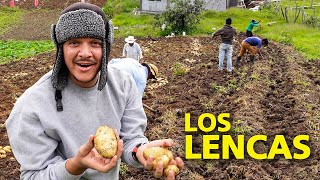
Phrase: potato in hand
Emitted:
{"points": [[159, 154], [105, 142], [174, 168]]}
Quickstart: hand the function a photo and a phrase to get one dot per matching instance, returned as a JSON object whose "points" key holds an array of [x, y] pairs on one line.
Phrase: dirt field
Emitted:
{"points": [[277, 95]]}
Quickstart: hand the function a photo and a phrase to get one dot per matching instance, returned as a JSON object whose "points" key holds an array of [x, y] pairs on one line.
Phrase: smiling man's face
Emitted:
{"points": [[83, 59]]}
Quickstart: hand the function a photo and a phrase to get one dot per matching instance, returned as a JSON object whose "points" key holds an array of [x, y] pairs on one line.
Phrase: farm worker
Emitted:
{"points": [[253, 45], [51, 125], [253, 23], [132, 49], [227, 33], [141, 73]]}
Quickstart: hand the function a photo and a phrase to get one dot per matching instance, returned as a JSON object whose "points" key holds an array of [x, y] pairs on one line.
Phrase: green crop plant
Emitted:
{"points": [[124, 168], [240, 127], [16, 50], [208, 105], [301, 82], [217, 88], [179, 69], [254, 76]]}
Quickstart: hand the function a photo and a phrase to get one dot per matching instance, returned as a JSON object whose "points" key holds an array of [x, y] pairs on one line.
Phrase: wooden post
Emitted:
{"points": [[36, 3], [11, 3], [302, 13]]}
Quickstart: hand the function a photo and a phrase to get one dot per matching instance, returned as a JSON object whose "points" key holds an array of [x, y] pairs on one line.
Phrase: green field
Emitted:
{"points": [[301, 36]]}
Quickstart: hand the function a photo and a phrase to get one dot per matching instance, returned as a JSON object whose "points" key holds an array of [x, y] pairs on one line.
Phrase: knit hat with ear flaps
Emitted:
{"points": [[76, 21]]}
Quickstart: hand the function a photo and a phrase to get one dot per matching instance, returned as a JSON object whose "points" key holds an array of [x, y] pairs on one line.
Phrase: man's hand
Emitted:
{"points": [[88, 157], [147, 163]]}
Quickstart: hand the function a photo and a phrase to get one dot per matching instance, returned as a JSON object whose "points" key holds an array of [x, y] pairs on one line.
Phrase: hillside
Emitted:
{"points": [[275, 95], [49, 4]]}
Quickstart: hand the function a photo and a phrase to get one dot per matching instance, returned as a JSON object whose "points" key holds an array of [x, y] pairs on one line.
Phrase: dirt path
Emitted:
{"points": [[32, 26]]}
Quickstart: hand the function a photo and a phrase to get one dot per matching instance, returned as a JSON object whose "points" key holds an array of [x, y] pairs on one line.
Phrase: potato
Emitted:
{"points": [[164, 159], [3, 156], [159, 154], [7, 149], [174, 168], [105, 142]]}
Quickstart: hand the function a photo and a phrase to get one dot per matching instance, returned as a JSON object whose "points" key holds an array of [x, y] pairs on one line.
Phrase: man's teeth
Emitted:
{"points": [[84, 65]]}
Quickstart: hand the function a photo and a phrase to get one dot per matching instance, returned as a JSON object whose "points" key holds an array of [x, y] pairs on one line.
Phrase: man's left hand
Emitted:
{"points": [[148, 163]]}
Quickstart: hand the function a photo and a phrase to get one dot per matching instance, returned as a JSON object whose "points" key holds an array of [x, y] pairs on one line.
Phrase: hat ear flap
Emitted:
{"points": [[110, 35], [53, 35]]}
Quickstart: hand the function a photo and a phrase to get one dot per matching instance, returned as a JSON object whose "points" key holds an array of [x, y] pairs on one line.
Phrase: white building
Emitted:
{"points": [[158, 6]]}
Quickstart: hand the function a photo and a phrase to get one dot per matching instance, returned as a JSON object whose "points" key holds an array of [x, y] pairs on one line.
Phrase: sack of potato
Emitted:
{"points": [[163, 155]]}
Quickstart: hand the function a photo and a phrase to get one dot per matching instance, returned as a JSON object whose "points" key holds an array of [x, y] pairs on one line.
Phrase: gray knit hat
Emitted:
{"points": [[79, 20]]}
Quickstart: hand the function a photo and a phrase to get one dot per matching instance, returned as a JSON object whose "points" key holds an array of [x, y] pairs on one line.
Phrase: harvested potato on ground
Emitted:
{"points": [[7, 148], [105, 142], [174, 168], [159, 154]]}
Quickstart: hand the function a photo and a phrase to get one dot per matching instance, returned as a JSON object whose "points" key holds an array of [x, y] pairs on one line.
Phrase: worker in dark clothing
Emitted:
{"points": [[227, 33]]}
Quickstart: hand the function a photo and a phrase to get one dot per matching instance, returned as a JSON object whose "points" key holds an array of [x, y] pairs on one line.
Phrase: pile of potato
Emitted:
{"points": [[163, 155], [4, 151], [105, 142]]}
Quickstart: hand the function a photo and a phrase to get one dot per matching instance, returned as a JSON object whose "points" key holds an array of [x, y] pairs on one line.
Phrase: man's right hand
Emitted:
{"points": [[88, 157]]}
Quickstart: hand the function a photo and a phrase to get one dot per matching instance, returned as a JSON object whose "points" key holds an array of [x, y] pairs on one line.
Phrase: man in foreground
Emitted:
{"points": [[51, 125]]}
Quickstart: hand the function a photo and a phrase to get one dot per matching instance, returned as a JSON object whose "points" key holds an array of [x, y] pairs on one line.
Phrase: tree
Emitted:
{"points": [[183, 15]]}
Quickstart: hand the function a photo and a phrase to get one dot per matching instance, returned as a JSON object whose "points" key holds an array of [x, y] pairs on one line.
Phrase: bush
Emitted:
{"points": [[184, 15], [285, 38], [116, 7]]}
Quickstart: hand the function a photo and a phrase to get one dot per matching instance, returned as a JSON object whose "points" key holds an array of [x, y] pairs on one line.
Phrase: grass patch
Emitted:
{"points": [[9, 17], [135, 25], [116, 7], [15, 50], [303, 38]]}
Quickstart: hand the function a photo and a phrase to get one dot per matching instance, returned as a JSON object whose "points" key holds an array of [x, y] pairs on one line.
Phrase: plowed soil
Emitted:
{"points": [[277, 95]]}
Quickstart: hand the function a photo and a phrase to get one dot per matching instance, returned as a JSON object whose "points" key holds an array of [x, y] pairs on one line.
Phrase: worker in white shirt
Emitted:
{"points": [[132, 49], [141, 73]]}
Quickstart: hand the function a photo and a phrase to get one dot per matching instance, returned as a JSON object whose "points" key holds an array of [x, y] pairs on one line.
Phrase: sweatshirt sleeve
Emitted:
{"points": [[133, 122], [34, 150], [217, 33]]}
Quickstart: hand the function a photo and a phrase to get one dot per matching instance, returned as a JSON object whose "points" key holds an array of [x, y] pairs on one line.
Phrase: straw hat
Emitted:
{"points": [[130, 39], [153, 69]]}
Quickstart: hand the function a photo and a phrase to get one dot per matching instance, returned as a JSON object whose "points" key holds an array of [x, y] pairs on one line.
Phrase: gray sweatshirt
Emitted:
{"points": [[42, 139]]}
